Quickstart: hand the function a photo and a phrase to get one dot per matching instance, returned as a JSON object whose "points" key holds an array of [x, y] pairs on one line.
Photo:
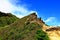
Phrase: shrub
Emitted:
{"points": [[41, 35]]}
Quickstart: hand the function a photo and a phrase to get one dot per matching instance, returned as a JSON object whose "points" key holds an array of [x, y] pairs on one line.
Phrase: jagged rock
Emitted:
{"points": [[53, 28]]}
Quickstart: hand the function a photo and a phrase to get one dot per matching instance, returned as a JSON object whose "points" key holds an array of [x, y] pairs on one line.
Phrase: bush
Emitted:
{"points": [[41, 35], [7, 20]]}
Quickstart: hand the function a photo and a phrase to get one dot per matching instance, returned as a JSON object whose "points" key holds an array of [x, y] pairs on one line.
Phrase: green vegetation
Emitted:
{"points": [[26, 32], [11, 33], [41, 35], [20, 29], [6, 19]]}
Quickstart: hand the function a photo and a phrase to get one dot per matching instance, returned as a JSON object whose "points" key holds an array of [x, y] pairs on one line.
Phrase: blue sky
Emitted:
{"points": [[48, 10]]}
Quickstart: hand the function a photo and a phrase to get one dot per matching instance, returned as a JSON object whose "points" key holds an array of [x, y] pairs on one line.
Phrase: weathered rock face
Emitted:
{"points": [[53, 32], [53, 28], [33, 18]]}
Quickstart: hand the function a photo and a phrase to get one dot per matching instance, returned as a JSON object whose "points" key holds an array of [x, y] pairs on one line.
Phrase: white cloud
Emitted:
{"points": [[50, 19], [7, 7]]}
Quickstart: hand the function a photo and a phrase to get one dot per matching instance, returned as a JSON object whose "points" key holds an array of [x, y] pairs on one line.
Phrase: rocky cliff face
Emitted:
{"points": [[53, 33]]}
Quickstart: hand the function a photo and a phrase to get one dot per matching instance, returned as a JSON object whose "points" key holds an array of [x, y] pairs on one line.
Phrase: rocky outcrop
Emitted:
{"points": [[33, 18], [53, 28], [53, 32]]}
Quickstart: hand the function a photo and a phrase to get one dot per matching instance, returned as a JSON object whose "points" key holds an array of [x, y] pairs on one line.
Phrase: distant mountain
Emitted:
{"points": [[7, 19]]}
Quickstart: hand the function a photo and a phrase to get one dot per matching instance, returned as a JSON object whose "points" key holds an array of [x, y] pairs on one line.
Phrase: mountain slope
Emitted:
{"points": [[53, 33], [26, 28], [6, 19]]}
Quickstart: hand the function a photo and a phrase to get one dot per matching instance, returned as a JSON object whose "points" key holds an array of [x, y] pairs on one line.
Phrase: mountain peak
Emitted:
{"points": [[32, 18], [33, 13]]}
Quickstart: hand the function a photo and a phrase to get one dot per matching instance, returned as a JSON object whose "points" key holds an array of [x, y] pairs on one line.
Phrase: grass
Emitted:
{"points": [[7, 19], [41, 35]]}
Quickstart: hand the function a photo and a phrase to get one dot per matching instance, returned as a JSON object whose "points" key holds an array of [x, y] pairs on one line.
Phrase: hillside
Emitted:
{"points": [[26, 28], [7, 19], [53, 32]]}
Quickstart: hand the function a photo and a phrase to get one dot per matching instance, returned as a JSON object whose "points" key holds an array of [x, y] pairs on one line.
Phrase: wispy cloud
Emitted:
{"points": [[52, 21], [8, 7]]}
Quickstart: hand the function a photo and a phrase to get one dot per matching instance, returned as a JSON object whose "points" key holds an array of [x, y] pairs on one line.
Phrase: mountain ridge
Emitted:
{"points": [[28, 28], [23, 29]]}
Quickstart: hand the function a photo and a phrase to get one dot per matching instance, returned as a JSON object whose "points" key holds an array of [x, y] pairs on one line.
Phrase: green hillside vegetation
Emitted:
{"points": [[6, 19], [41, 35], [23, 29]]}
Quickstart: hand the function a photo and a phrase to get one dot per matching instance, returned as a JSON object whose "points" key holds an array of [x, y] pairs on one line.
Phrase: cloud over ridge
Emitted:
{"points": [[7, 7]]}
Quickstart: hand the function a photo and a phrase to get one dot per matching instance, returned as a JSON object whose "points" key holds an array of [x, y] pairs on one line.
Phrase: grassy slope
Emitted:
{"points": [[6, 19], [19, 30]]}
